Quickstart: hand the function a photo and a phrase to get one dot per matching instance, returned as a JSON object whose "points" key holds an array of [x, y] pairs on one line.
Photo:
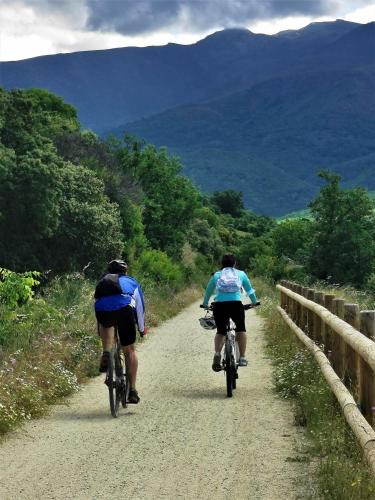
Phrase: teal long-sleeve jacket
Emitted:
{"points": [[227, 296]]}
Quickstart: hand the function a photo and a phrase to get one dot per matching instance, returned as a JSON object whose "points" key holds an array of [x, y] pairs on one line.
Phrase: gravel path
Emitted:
{"points": [[184, 440]]}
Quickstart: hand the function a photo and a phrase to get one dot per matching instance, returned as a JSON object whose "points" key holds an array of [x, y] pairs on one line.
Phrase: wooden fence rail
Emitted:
{"points": [[341, 337]]}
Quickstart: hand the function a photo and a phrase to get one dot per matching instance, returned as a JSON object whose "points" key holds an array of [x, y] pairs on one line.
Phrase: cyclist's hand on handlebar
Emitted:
{"points": [[250, 306], [145, 332]]}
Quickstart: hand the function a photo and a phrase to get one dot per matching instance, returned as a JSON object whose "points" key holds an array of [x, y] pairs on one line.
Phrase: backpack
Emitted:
{"points": [[108, 285], [229, 281]]}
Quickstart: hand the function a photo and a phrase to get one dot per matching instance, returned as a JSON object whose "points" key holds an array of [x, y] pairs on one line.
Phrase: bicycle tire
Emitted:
{"points": [[125, 394], [229, 369], [123, 381], [234, 384], [111, 383]]}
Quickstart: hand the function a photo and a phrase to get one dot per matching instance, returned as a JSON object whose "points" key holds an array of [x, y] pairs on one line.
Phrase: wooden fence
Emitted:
{"points": [[341, 337]]}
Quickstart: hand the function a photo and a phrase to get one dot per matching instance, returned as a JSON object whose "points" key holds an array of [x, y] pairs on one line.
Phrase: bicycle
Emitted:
{"points": [[117, 380], [230, 359]]}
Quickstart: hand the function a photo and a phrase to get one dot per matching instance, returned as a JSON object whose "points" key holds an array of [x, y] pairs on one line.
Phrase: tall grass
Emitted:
{"points": [[49, 346], [340, 472]]}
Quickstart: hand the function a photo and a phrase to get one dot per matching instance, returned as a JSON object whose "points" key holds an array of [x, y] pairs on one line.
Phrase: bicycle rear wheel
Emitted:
{"points": [[235, 376], [122, 380], [125, 393], [111, 382], [229, 369]]}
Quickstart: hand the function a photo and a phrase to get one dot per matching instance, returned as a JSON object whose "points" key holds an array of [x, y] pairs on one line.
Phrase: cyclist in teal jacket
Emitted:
{"points": [[228, 284]]}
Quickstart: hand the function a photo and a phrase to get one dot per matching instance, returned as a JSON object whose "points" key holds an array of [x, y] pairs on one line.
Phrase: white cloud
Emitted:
{"points": [[276, 25], [362, 15], [27, 32]]}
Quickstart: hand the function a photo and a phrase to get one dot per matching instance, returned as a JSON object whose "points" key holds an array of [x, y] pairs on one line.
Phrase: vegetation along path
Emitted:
{"points": [[184, 440]]}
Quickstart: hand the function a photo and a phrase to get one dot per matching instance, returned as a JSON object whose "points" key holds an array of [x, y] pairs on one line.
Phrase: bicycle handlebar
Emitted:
{"points": [[246, 306]]}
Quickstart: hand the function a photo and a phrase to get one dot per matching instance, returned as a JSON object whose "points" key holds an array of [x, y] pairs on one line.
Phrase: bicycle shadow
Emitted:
{"points": [[210, 393], [98, 415]]}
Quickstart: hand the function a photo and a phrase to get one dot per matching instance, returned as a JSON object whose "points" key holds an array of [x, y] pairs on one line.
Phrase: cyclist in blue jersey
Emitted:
{"points": [[227, 284], [119, 302]]}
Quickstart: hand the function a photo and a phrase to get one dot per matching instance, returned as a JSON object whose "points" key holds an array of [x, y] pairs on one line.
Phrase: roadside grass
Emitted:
{"points": [[341, 472], [49, 345]]}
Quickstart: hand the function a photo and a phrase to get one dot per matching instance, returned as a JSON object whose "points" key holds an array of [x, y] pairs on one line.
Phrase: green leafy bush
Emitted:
{"points": [[157, 266], [16, 288]]}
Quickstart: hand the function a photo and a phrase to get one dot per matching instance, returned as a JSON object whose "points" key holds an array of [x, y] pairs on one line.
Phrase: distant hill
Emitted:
{"points": [[110, 87], [271, 139], [246, 111], [306, 214]]}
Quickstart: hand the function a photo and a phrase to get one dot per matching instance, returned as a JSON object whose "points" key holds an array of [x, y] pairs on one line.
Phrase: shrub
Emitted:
{"points": [[16, 288], [157, 266]]}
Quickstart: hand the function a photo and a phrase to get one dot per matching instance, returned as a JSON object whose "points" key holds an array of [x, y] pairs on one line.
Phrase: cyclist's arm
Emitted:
{"points": [[139, 309], [209, 290], [249, 288]]}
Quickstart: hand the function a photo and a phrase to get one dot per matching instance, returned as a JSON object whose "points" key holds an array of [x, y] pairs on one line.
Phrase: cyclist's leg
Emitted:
{"points": [[221, 319], [238, 316], [241, 338], [106, 334], [131, 361], [106, 322], [127, 334]]}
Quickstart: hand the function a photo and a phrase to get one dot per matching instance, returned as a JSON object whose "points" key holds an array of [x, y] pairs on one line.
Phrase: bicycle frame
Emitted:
{"points": [[116, 377], [230, 359]]}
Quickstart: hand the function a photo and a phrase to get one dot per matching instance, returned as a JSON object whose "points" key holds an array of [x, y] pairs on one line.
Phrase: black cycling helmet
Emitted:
{"points": [[117, 267]]}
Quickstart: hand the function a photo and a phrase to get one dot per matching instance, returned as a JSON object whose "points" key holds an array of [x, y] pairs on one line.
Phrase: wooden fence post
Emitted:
{"points": [[282, 296], [293, 303], [310, 314], [303, 315], [284, 283], [298, 307], [318, 323], [328, 304], [351, 316], [338, 345], [290, 300], [367, 383]]}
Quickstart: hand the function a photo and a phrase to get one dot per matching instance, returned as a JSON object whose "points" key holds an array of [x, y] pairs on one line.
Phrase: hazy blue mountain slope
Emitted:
{"points": [[284, 130], [114, 86]]}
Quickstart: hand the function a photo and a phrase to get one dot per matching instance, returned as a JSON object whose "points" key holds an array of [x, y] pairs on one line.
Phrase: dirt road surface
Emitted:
{"points": [[184, 440]]}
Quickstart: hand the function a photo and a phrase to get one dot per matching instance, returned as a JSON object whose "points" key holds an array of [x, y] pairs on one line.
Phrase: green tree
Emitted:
{"points": [[343, 243], [169, 200], [228, 202], [28, 115], [30, 200], [90, 225], [291, 238]]}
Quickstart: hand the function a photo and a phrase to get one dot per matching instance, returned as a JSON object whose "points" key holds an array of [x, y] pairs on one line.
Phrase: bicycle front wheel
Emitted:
{"points": [[229, 369]]}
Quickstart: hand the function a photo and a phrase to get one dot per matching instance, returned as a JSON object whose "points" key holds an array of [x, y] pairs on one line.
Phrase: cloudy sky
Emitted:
{"points": [[30, 28]]}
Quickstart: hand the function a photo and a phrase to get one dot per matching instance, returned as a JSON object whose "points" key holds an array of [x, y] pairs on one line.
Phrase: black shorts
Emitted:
{"points": [[124, 320], [232, 309]]}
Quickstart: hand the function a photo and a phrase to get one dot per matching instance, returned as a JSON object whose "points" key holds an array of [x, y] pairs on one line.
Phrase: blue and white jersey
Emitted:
{"points": [[131, 295], [229, 296]]}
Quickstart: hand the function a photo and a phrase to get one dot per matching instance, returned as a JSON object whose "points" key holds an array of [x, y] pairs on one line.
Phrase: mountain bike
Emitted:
{"points": [[116, 378], [230, 357]]}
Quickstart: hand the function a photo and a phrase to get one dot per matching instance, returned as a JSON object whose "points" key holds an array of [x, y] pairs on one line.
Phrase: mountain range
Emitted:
{"points": [[257, 113]]}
